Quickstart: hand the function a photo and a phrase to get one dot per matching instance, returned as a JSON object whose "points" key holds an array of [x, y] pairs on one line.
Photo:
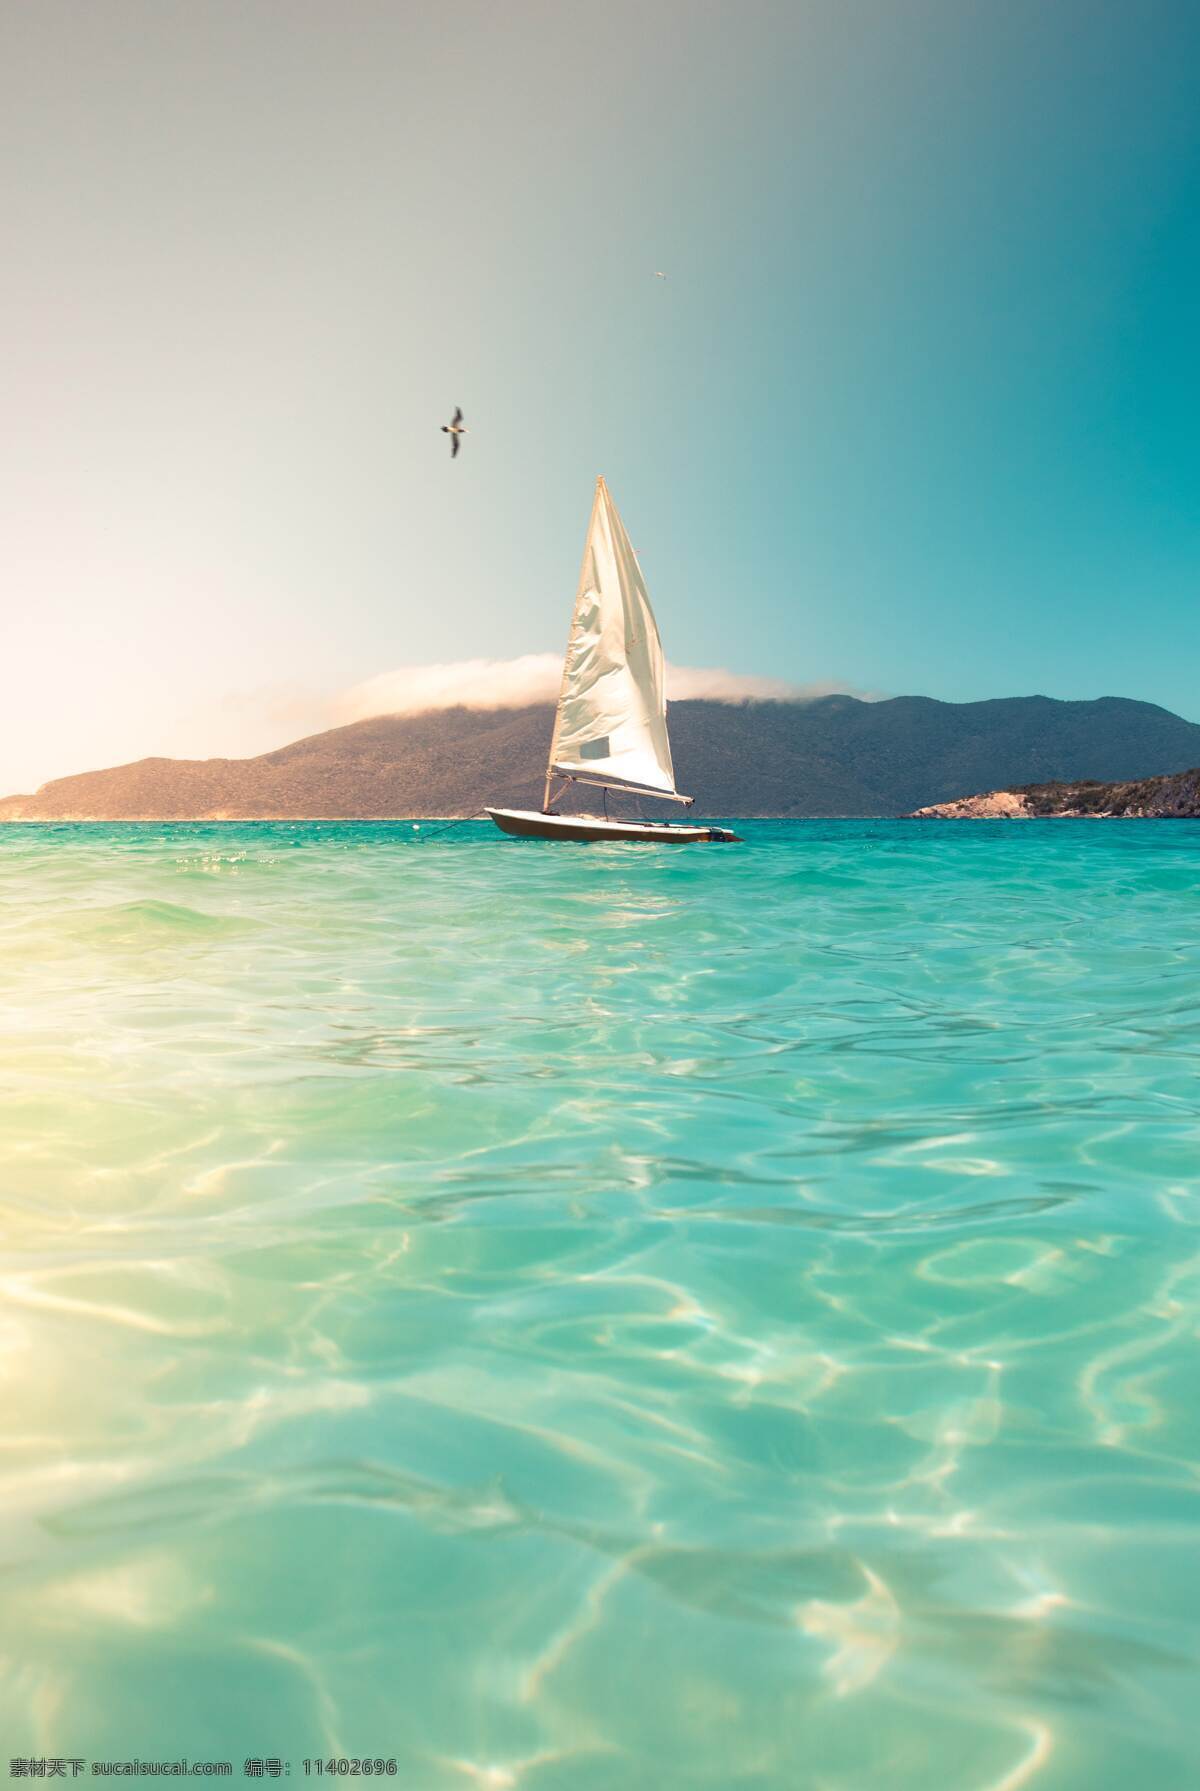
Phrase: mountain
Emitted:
{"points": [[1176, 797], [832, 756]]}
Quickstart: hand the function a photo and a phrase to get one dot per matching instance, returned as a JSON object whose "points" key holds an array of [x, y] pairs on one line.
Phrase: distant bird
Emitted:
{"points": [[660, 276], [454, 429]]}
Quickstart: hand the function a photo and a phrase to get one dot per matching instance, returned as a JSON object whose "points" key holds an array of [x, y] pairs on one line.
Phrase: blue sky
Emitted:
{"points": [[915, 409]]}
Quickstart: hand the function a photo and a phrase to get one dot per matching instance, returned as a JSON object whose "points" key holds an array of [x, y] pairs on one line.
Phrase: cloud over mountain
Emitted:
{"points": [[534, 678]]}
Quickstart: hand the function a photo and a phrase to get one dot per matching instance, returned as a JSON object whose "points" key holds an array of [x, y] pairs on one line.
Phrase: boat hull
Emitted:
{"points": [[528, 824]]}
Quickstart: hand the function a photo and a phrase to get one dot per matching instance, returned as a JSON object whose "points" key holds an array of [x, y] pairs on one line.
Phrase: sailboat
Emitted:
{"points": [[610, 727]]}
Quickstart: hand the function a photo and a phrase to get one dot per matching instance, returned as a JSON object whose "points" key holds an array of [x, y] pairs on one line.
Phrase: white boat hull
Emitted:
{"points": [[530, 824]]}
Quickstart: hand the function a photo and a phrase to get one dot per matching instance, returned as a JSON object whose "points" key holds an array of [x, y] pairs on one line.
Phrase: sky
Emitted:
{"points": [[916, 409]]}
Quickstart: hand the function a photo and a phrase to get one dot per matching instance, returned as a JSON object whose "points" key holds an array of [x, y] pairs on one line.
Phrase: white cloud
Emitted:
{"points": [[686, 682], [535, 678], [469, 683]]}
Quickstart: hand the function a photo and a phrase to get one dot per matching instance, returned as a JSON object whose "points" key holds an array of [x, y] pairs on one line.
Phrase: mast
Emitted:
{"points": [[566, 671]]}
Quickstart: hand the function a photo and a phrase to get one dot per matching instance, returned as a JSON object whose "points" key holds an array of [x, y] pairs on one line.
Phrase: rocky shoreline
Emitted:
{"points": [[1173, 797]]}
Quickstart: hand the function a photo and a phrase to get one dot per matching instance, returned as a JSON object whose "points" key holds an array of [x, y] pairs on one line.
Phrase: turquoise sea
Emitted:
{"points": [[615, 1318]]}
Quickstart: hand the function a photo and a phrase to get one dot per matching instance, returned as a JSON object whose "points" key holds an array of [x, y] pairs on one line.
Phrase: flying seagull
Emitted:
{"points": [[454, 429]]}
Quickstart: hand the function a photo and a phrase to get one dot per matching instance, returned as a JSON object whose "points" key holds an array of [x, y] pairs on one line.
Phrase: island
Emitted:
{"points": [[1172, 797], [787, 758]]}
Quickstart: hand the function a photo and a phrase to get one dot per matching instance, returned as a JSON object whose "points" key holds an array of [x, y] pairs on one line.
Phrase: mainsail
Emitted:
{"points": [[611, 724]]}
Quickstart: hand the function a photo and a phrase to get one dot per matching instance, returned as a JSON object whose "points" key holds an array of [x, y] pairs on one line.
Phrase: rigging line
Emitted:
{"points": [[433, 833]]}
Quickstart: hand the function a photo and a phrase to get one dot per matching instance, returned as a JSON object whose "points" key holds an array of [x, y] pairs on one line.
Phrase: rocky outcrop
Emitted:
{"points": [[993, 805], [1173, 797]]}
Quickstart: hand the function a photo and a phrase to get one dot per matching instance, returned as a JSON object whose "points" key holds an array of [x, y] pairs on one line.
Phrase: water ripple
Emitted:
{"points": [[578, 1318]]}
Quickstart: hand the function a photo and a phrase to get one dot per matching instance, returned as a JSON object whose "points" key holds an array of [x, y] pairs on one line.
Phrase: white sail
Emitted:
{"points": [[611, 724]]}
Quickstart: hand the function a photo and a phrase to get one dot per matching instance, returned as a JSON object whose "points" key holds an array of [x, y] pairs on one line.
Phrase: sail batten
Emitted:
{"points": [[610, 726]]}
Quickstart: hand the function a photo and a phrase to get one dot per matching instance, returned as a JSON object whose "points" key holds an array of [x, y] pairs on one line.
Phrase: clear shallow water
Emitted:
{"points": [[604, 1317]]}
